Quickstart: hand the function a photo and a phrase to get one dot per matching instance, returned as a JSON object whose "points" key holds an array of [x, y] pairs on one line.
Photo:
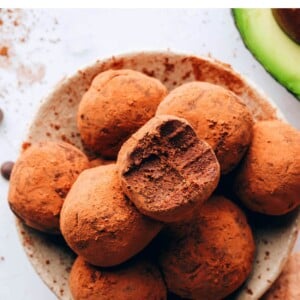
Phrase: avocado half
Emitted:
{"points": [[278, 53]]}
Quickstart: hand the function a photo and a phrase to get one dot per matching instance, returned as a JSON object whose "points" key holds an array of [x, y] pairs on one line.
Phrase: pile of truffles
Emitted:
{"points": [[146, 218]]}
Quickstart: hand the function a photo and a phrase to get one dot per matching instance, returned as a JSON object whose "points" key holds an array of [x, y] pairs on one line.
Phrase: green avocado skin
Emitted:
{"points": [[279, 55]]}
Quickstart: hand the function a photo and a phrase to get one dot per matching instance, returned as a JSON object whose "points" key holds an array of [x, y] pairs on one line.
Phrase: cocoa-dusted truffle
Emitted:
{"points": [[217, 115], [40, 181], [117, 103], [100, 223], [166, 170], [135, 280], [269, 178], [211, 256]]}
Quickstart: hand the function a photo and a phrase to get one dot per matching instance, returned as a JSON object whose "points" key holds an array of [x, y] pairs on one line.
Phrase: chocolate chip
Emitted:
{"points": [[6, 169], [1, 115]]}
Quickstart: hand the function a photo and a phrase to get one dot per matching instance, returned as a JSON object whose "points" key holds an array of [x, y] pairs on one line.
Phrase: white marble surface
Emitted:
{"points": [[57, 42]]}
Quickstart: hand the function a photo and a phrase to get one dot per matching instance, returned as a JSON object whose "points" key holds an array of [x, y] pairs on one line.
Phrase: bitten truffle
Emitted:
{"points": [[211, 256], [117, 103], [166, 170], [217, 115], [136, 279], [269, 178], [40, 181], [99, 223]]}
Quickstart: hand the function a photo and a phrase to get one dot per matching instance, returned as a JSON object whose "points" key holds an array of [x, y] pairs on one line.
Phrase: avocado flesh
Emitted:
{"points": [[270, 45]]}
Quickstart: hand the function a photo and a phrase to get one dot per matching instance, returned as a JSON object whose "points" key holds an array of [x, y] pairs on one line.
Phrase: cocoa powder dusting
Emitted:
{"points": [[107, 234], [259, 183], [18, 61], [30, 74], [25, 145], [150, 73], [218, 117], [29, 172], [169, 67], [197, 266], [105, 135], [287, 284], [249, 291], [4, 51], [136, 279], [66, 139], [117, 63]]}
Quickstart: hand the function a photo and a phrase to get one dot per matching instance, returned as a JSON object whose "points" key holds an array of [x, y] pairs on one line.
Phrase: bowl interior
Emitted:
{"points": [[56, 120]]}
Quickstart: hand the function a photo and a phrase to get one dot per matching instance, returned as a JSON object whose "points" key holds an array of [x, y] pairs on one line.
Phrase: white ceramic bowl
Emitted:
{"points": [[275, 236]]}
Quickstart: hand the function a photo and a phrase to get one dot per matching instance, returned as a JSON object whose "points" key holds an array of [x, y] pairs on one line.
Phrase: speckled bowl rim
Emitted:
{"points": [[26, 233]]}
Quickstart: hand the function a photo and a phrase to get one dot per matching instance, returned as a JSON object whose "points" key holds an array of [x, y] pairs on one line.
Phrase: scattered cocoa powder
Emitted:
{"points": [[287, 285], [30, 74], [16, 31], [25, 145], [249, 291], [4, 51]]}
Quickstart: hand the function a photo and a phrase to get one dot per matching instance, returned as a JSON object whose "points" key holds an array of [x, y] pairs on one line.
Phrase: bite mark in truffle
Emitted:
{"points": [[166, 170]]}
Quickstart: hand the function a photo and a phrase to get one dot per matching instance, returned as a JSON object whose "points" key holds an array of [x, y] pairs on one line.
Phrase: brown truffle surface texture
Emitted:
{"points": [[117, 103], [211, 256], [268, 180], [135, 280], [166, 170], [217, 115], [100, 223], [40, 181]]}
